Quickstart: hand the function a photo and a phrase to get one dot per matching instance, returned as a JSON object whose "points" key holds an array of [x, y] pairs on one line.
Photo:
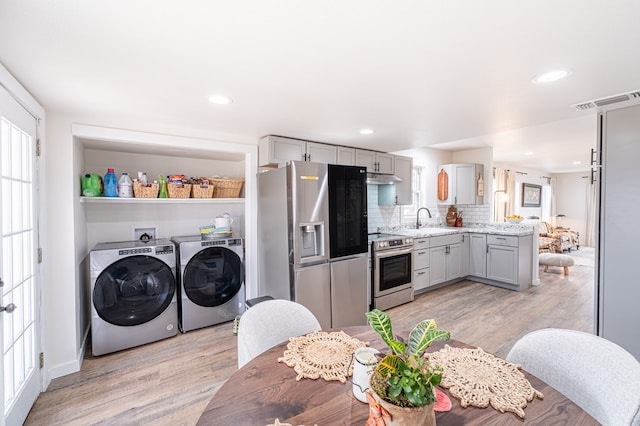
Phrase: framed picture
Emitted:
{"points": [[531, 195]]}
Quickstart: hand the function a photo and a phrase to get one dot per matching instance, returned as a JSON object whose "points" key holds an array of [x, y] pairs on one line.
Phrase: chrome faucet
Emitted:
{"points": [[418, 216]]}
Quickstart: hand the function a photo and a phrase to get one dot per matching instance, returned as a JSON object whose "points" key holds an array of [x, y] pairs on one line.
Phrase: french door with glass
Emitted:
{"points": [[19, 335]]}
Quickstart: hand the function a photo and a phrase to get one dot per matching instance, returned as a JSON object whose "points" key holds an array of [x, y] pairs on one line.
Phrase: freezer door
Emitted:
{"points": [[312, 289], [349, 291]]}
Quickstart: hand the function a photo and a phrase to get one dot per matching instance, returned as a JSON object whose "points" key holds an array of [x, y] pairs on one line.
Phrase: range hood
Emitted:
{"points": [[382, 179]]}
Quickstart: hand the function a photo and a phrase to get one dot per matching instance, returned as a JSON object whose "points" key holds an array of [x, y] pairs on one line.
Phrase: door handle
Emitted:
{"points": [[9, 308]]}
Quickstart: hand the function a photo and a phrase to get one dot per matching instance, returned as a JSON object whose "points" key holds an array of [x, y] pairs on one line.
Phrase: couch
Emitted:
{"points": [[557, 240]]}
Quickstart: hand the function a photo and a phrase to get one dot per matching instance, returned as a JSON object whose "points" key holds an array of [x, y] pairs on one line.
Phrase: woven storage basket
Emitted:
{"points": [[176, 191], [145, 191], [198, 192], [226, 187]]}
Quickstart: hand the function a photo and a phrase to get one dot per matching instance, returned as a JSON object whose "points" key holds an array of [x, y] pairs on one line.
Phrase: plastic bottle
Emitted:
{"points": [[125, 186], [110, 184], [164, 191]]}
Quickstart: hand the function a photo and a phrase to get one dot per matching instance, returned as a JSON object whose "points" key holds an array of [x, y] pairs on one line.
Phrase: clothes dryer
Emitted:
{"points": [[210, 280], [133, 294]]}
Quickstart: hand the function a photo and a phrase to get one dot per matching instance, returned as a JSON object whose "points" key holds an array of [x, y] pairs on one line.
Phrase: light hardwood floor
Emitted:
{"points": [[170, 382]]}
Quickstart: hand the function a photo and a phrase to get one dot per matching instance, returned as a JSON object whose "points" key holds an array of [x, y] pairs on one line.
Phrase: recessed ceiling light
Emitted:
{"points": [[577, 162], [220, 100], [367, 132], [528, 153], [550, 76]]}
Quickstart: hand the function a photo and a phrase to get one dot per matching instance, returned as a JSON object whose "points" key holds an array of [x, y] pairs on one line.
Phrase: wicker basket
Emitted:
{"points": [[199, 192], [145, 191], [226, 187], [176, 191]]}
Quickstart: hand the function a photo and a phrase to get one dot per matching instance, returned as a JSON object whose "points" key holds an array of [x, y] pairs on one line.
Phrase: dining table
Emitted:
{"points": [[264, 390]]}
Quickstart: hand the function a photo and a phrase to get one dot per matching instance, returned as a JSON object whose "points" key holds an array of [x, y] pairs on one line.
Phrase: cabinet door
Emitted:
{"points": [[279, 150], [438, 264], [502, 264], [404, 170], [321, 153], [478, 255], [421, 279], [346, 156], [465, 182], [366, 159], [454, 261], [420, 258], [385, 163]]}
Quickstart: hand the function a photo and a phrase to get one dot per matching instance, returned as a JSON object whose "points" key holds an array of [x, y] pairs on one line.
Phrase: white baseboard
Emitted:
{"points": [[71, 366]]}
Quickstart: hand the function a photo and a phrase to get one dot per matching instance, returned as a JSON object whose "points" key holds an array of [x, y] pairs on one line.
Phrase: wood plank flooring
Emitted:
{"points": [[170, 382]]}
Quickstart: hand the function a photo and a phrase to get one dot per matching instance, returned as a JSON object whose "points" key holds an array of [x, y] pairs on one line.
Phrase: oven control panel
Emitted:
{"points": [[393, 243]]}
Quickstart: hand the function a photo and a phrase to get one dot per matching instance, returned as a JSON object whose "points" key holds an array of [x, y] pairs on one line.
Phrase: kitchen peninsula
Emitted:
{"points": [[496, 254]]}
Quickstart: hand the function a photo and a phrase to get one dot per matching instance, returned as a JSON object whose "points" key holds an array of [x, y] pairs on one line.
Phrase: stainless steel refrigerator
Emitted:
{"points": [[312, 233], [617, 289]]}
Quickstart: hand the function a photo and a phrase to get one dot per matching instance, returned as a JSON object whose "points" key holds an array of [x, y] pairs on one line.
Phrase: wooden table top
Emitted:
{"points": [[264, 389]]}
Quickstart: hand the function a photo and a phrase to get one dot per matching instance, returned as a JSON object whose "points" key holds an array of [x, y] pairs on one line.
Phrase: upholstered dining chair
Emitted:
{"points": [[269, 323], [595, 373]]}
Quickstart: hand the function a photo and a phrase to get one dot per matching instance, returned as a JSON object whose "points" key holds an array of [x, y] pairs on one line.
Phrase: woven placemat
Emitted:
{"points": [[322, 355], [478, 378]]}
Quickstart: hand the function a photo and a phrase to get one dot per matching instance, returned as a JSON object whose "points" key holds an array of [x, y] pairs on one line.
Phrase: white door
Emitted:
{"points": [[19, 334]]}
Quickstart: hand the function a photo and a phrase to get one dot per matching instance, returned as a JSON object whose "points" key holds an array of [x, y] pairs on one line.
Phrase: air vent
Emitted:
{"points": [[607, 101]]}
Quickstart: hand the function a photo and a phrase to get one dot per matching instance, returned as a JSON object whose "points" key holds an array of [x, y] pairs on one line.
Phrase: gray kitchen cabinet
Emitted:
{"points": [[399, 193], [273, 150], [461, 182], [478, 255], [346, 156], [421, 258], [446, 256], [509, 260], [375, 162]]}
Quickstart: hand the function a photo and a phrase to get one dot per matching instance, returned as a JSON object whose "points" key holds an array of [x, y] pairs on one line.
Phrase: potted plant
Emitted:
{"points": [[402, 382]]}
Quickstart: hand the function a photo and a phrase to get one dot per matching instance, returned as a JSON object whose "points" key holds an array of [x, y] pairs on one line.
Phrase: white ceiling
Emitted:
{"points": [[448, 74]]}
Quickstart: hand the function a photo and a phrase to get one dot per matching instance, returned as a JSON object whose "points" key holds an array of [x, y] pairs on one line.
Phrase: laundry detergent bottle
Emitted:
{"points": [[125, 186], [110, 184]]}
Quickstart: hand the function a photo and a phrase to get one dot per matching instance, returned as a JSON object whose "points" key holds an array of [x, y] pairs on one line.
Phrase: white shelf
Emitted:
{"points": [[117, 200]]}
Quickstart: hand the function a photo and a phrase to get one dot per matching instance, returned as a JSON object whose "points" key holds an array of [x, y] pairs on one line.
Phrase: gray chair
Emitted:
{"points": [[269, 323], [595, 373]]}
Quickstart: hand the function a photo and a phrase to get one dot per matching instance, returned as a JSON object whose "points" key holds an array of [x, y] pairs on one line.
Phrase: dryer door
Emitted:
{"points": [[213, 276], [133, 290]]}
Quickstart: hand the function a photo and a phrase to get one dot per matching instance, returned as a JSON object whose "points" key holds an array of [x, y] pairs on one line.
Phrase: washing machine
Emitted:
{"points": [[133, 294], [210, 280]]}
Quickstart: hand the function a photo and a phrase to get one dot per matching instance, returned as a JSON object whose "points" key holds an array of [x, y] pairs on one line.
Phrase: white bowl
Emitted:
{"points": [[513, 220]]}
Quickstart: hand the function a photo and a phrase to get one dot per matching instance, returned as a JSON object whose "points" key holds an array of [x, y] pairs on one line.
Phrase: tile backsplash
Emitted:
{"points": [[390, 216]]}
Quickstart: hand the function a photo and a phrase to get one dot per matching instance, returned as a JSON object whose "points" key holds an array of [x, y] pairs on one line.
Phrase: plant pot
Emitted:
{"points": [[404, 416]]}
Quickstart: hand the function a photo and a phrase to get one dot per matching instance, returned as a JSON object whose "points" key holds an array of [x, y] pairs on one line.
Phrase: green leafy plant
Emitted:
{"points": [[404, 377]]}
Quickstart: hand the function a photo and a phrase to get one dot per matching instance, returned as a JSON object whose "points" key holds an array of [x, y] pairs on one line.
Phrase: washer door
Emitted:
{"points": [[133, 290], [213, 276]]}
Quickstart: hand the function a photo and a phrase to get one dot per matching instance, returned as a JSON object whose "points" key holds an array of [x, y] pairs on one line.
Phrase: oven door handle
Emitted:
{"points": [[391, 253]]}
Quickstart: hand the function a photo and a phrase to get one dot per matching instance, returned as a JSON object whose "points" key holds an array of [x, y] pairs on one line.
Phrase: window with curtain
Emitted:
{"points": [[409, 211]]}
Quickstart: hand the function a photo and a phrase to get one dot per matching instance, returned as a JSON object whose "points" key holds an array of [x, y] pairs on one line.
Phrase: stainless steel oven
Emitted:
{"points": [[392, 271]]}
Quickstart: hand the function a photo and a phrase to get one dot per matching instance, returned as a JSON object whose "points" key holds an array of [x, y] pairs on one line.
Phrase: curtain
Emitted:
{"points": [[554, 202], [504, 194]]}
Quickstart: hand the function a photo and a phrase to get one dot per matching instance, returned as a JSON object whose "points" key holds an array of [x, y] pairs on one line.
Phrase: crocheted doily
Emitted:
{"points": [[479, 379], [322, 354]]}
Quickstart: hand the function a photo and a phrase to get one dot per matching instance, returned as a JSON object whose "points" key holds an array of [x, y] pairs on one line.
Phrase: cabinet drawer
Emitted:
{"points": [[420, 258], [420, 243], [445, 240], [502, 240], [421, 279]]}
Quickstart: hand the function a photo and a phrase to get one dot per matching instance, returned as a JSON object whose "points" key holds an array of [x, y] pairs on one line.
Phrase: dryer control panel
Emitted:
{"points": [[164, 249]]}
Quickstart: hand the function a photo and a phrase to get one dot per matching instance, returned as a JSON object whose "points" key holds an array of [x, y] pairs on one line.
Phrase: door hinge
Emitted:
{"points": [[37, 147], [41, 359], [39, 254]]}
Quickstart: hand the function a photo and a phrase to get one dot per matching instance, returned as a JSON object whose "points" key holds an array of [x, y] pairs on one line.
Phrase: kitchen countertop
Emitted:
{"points": [[489, 228]]}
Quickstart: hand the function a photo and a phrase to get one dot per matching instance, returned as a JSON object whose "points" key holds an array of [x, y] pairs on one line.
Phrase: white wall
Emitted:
{"points": [[524, 175], [571, 199]]}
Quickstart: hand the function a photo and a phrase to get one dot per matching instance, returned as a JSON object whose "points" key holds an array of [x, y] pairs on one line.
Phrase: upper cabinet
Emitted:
{"points": [[274, 150], [460, 184], [346, 156], [375, 162], [400, 193]]}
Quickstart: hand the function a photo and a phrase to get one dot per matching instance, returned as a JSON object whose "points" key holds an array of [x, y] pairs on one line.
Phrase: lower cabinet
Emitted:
{"points": [[421, 264], [478, 255], [509, 259], [447, 257]]}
